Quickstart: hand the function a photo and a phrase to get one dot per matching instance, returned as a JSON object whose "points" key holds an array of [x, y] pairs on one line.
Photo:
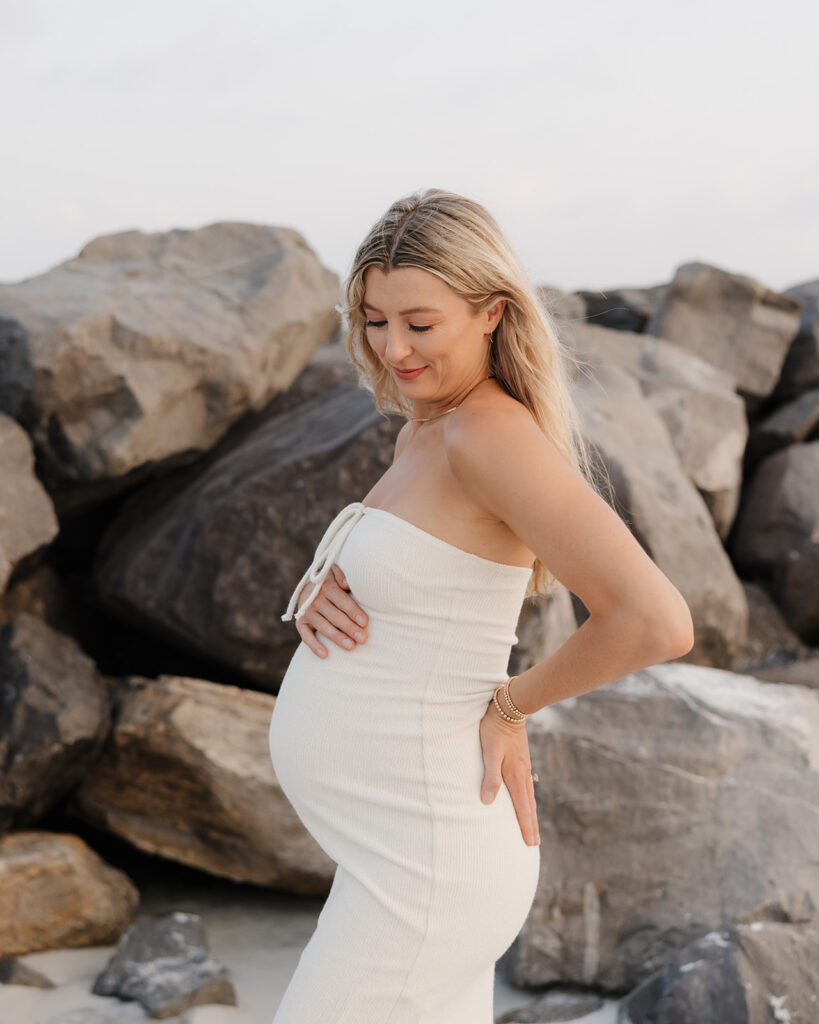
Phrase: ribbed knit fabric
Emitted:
{"points": [[378, 751]]}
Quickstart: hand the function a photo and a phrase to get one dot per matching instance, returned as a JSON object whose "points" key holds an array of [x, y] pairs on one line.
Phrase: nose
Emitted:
{"points": [[397, 349]]}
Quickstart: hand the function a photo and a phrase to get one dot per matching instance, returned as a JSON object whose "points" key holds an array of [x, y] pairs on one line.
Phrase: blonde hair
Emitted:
{"points": [[458, 240]]}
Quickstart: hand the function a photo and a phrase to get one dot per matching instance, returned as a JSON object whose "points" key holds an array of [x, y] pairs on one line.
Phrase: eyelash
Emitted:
{"points": [[412, 327]]}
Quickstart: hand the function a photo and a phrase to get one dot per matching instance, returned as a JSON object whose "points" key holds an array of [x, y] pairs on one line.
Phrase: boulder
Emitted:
{"points": [[564, 307], [187, 775], [776, 538], [166, 965], [55, 713], [731, 320], [211, 566], [28, 521], [795, 422], [143, 349], [747, 974], [663, 509], [698, 403], [800, 371], [15, 972], [622, 309], [770, 641], [677, 800], [56, 892]]}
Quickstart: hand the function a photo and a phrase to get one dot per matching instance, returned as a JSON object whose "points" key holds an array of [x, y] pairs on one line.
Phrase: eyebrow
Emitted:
{"points": [[405, 312]]}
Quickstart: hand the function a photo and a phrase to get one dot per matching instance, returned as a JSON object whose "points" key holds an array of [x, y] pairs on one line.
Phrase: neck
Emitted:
{"points": [[423, 410]]}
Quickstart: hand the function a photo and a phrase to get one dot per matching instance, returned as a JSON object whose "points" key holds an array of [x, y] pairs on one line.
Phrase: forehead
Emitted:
{"points": [[405, 287]]}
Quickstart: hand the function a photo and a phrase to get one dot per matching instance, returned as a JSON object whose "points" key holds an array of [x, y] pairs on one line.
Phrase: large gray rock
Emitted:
{"points": [[795, 422], [211, 564], [749, 974], [564, 307], [622, 309], [56, 892], [663, 509], [145, 347], [698, 403], [187, 775], [675, 801], [55, 713], [28, 521], [800, 372], [731, 320], [777, 534], [770, 642]]}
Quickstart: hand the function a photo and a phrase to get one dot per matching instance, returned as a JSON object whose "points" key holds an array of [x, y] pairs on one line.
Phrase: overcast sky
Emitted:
{"points": [[612, 140]]}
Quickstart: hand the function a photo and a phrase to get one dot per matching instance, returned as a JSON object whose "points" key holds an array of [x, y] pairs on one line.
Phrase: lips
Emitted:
{"points": [[408, 374]]}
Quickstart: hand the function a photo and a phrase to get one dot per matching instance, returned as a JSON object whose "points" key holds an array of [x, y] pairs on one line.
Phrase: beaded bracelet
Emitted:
{"points": [[520, 716], [508, 696]]}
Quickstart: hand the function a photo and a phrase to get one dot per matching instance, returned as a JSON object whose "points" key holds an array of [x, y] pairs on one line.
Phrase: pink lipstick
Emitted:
{"points": [[408, 374]]}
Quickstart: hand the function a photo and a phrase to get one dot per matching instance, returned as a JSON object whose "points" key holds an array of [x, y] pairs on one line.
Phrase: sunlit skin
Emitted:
{"points": [[415, 319], [512, 487]]}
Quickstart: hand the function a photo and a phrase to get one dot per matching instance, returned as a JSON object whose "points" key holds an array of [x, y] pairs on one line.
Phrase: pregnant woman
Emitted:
{"points": [[397, 735]]}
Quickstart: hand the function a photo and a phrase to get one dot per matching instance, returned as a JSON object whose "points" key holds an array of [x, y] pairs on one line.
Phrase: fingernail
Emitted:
{"points": [[359, 636], [347, 642], [359, 619]]}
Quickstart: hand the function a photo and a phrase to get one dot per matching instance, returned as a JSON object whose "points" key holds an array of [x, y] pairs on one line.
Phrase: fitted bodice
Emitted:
{"points": [[421, 593]]}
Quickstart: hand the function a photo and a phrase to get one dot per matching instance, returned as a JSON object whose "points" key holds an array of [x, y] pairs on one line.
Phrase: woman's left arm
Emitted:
{"points": [[637, 617]]}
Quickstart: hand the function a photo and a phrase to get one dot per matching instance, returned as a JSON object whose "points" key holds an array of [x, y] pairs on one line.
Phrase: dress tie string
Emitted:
{"points": [[328, 548]]}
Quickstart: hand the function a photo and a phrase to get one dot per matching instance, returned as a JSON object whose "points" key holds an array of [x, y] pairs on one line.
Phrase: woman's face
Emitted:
{"points": [[414, 319]]}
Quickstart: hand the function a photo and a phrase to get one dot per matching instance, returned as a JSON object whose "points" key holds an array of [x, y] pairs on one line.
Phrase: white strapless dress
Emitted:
{"points": [[378, 751]]}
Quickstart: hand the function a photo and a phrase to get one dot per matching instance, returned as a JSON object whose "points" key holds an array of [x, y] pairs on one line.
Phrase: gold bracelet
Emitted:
{"points": [[500, 709], [512, 704]]}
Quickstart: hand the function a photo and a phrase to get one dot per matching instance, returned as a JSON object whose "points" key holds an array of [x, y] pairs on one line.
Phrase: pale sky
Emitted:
{"points": [[612, 140]]}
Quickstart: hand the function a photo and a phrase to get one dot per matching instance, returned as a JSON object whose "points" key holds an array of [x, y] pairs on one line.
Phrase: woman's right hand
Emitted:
{"points": [[333, 613]]}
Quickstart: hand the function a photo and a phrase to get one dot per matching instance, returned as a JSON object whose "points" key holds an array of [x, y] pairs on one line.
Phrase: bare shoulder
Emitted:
{"points": [[490, 439]]}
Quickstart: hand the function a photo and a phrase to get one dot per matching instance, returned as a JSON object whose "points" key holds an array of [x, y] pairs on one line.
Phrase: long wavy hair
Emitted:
{"points": [[457, 239]]}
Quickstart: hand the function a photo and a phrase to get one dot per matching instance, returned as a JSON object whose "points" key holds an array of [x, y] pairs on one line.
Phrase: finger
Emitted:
{"points": [[319, 617], [345, 600], [307, 634], [491, 776], [521, 788], [339, 576], [338, 607]]}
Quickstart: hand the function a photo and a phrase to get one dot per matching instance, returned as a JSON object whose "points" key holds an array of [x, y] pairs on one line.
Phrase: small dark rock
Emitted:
{"points": [[166, 965], [15, 972]]}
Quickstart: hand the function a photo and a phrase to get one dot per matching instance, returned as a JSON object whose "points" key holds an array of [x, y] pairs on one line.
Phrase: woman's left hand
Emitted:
{"points": [[506, 758]]}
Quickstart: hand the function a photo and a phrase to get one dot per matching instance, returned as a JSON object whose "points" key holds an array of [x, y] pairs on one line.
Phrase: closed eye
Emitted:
{"points": [[412, 327]]}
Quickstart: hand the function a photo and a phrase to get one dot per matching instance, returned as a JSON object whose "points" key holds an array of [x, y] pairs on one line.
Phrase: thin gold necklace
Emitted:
{"points": [[425, 419]]}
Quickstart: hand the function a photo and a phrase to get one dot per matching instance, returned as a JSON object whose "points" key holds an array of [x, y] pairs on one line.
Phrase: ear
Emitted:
{"points": [[494, 314]]}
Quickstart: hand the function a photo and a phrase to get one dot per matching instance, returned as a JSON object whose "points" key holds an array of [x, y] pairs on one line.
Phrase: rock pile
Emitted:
{"points": [[178, 422]]}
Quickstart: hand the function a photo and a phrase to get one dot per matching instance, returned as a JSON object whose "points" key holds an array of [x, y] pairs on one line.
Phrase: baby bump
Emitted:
{"points": [[341, 736]]}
